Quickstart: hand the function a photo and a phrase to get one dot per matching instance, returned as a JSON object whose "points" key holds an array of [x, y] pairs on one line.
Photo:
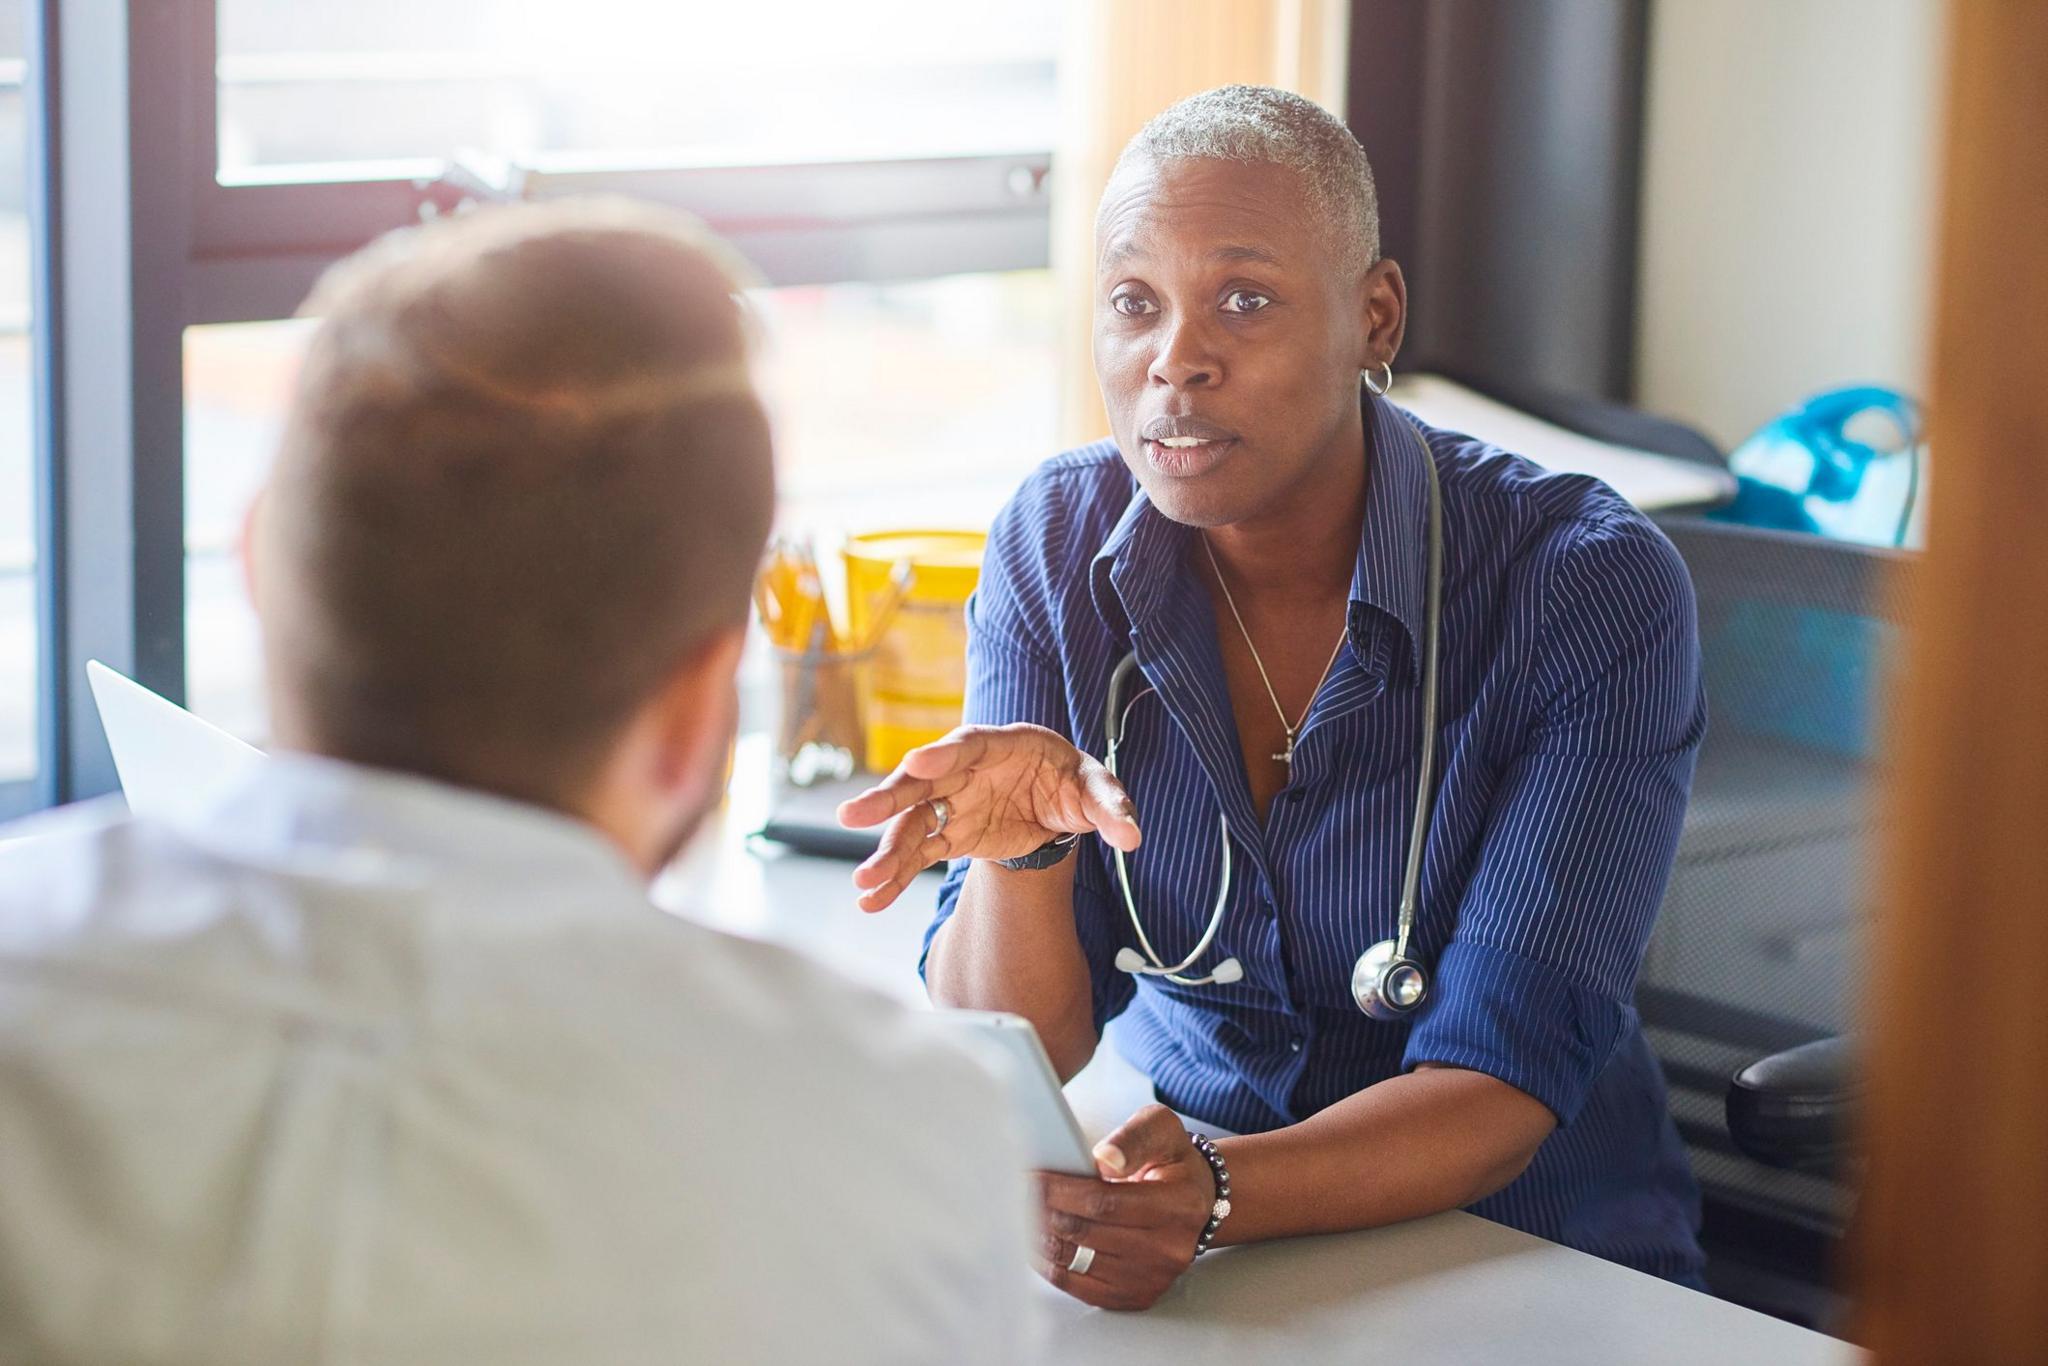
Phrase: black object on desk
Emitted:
{"points": [[805, 819]]}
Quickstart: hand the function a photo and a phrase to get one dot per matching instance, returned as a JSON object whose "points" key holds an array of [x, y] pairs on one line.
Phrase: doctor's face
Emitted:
{"points": [[1229, 335]]}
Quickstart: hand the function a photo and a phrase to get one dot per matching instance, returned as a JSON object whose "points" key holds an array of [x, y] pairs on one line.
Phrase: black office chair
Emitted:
{"points": [[1746, 989], [1790, 1109]]}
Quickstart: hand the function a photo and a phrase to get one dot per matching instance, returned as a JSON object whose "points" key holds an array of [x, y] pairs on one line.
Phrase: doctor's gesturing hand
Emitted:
{"points": [[985, 792]]}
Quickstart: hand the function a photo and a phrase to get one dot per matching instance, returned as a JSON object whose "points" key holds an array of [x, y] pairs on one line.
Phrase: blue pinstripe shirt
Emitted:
{"points": [[1572, 710]]}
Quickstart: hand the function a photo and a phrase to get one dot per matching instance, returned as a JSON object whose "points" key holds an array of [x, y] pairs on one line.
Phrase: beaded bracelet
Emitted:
{"points": [[1219, 1211]]}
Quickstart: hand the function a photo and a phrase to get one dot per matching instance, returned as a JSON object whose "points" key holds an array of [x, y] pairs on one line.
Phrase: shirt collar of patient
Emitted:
{"points": [[296, 808], [1128, 575]]}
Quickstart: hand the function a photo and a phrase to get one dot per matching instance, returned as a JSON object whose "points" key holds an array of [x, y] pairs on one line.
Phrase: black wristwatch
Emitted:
{"points": [[1044, 856]]}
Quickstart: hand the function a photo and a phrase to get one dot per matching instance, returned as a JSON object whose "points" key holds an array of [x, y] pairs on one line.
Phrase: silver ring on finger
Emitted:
{"points": [[1083, 1258], [942, 811]]}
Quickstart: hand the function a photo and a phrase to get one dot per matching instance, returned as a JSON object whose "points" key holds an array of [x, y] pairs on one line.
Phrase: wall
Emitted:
{"points": [[1787, 217]]}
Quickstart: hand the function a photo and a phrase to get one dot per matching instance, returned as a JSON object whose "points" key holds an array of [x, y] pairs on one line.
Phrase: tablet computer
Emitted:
{"points": [[1052, 1136]]}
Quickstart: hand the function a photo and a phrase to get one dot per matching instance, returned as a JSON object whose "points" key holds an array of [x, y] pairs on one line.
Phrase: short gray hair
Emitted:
{"points": [[1258, 123]]}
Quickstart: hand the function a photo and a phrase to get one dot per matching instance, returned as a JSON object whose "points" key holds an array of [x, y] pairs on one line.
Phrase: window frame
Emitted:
{"points": [[134, 238], [259, 245], [21, 796]]}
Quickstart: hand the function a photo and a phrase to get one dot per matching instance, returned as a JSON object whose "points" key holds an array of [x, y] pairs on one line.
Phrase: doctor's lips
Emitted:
{"points": [[1184, 446]]}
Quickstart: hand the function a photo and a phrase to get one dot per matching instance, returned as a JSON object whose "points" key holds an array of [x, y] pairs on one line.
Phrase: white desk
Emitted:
{"points": [[1453, 1288]]}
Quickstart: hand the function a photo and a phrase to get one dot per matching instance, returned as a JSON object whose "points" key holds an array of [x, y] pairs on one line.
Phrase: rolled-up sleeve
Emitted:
{"points": [[1537, 984], [1013, 676]]}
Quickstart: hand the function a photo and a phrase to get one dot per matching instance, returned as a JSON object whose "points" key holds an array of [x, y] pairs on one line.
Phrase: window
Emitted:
{"points": [[19, 659], [895, 140], [925, 400], [627, 82], [883, 167]]}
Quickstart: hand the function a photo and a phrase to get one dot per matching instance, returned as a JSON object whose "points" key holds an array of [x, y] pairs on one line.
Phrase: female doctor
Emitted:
{"points": [[1383, 738]]}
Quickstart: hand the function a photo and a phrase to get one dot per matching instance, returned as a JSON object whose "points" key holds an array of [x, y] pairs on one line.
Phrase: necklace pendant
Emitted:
{"points": [[1286, 756]]}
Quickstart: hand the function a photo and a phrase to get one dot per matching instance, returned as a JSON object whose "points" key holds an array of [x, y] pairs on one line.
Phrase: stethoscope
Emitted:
{"points": [[1386, 982]]}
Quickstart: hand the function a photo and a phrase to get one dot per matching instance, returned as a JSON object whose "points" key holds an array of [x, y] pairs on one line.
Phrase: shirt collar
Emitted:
{"points": [[1393, 545], [292, 805], [1133, 567], [1143, 550]]}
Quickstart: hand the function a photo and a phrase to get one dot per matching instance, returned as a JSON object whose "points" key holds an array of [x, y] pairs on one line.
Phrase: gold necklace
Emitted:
{"points": [[1285, 756]]}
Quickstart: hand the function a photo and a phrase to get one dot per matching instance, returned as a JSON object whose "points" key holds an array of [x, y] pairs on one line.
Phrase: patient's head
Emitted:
{"points": [[519, 503]]}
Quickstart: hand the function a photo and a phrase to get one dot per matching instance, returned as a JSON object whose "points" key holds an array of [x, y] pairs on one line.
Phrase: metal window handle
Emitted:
{"points": [[466, 181]]}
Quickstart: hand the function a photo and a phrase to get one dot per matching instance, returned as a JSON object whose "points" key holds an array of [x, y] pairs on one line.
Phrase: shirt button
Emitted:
{"points": [[1294, 1045]]}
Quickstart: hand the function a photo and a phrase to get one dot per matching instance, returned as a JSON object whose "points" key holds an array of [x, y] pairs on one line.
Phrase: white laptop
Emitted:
{"points": [[169, 761]]}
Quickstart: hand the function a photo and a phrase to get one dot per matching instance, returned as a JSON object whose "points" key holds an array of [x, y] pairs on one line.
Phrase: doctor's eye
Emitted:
{"points": [[1133, 305], [1245, 301]]}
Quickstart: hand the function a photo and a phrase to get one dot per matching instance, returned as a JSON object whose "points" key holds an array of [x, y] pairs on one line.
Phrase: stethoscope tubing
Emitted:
{"points": [[1418, 833]]}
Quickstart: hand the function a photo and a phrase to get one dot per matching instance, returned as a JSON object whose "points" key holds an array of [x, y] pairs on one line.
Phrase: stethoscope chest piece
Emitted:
{"points": [[1388, 984]]}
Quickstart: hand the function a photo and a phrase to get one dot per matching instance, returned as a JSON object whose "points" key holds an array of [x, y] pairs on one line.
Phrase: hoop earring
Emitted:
{"points": [[1385, 384]]}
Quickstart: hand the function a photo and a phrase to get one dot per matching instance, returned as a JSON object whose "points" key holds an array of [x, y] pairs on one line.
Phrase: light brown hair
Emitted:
{"points": [[524, 475], [1951, 1252]]}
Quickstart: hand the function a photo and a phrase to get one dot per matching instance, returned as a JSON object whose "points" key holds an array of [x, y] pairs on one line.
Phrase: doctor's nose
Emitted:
{"points": [[1182, 362]]}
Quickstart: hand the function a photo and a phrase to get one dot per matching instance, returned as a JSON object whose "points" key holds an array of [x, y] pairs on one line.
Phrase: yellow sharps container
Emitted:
{"points": [[917, 680]]}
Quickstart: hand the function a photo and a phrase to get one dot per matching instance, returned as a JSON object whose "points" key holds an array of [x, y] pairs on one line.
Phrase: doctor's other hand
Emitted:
{"points": [[1141, 1220], [1007, 790]]}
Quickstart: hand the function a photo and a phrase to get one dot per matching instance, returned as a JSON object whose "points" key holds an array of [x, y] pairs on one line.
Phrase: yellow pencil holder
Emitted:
{"points": [[915, 689]]}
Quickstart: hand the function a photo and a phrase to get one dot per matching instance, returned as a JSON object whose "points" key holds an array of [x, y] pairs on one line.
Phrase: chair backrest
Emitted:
{"points": [[1758, 946]]}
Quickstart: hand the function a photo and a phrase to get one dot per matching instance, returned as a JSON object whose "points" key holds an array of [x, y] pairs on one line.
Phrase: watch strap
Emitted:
{"points": [[1045, 855]]}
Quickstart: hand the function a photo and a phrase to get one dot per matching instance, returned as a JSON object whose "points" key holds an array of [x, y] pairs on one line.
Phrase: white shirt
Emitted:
{"points": [[359, 1068]]}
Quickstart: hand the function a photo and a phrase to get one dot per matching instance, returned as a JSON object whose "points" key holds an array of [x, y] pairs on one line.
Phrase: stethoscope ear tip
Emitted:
{"points": [[1131, 961]]}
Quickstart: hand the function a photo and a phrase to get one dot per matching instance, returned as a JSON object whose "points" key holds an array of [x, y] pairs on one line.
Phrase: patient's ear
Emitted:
{"points": [[250, 520], [698, 709]]}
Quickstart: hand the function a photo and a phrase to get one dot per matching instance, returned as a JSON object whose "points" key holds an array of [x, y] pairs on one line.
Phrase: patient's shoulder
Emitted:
{"points": [[64, 870], [776, 1043], [792, 1006], [841, 1034]]}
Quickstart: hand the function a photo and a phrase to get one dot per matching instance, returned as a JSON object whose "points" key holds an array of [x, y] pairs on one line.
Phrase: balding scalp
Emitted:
{"points": [[524, 475]]}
